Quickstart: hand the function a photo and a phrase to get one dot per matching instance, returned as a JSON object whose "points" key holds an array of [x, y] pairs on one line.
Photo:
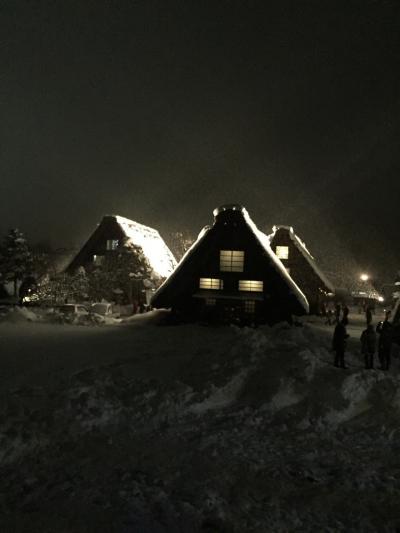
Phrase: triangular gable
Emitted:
{"points": [[154, 248], [148, 239], [175, 284], [301, 247]]}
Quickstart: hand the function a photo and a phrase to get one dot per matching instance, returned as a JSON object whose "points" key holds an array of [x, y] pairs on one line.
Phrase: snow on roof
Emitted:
{"points": [[300, 245], [188, 253], [261, 237], [154, 248]]}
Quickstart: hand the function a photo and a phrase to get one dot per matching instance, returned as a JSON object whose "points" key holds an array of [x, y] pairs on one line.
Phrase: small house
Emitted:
{"points": [[301, 266], [109, 235], [230, 274]]}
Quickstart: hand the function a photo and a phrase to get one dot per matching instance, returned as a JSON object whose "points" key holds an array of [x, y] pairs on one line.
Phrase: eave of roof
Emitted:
{"points": [[300, 245]]}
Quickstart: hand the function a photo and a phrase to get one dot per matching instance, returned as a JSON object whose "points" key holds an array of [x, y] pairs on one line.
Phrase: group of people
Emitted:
{"points": [[369, 342], [333, 314]]}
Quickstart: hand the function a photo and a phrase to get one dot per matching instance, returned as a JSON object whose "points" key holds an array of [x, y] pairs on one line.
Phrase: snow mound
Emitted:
{"points": [[20, 314], [233, 430], [285, 397], [220, 397]]}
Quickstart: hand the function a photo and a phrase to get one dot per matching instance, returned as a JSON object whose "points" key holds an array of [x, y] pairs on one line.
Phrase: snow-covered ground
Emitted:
{"points": [[145, 427]]}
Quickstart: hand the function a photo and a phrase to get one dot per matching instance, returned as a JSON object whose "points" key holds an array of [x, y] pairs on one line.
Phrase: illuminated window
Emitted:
{"points": [[231, 260], [251, 285], [98, 259], [112, 244], [210, 301], [282, 252], [211, 283], [249, 306]]}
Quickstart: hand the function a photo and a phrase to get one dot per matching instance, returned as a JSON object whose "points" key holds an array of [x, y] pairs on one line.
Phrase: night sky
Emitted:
{"points": [[160, 111]]}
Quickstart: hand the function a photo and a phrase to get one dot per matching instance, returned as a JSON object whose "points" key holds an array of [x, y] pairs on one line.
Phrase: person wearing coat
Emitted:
{"points": [[338, 309], [368, 315], [385, 330], [346, 312], [368, 345], [339, 343]]}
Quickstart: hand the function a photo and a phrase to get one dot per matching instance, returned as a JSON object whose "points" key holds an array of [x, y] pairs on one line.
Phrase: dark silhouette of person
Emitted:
{"points": [[338, 309], [385, 330], [368, 315], [329, 316], [346, 312], [339, 344], [368, 345]]}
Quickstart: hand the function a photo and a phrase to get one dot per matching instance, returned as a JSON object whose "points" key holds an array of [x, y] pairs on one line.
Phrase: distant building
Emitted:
{"points": [[231, 274], [396, 292], [111, 232], [301, 266]]}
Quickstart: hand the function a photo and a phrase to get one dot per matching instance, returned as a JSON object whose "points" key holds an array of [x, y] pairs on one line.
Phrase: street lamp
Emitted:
{"points": [[364, 277]]}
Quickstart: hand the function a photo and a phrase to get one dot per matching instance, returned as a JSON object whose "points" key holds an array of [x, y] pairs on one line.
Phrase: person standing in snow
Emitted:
{"points": [[329, 316], [368, 345], [338, 308], [346, 312], [339, 344], [385, 330]]}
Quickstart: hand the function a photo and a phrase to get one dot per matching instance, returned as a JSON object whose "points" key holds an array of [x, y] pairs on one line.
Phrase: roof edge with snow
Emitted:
{"points": [[300, 245]]}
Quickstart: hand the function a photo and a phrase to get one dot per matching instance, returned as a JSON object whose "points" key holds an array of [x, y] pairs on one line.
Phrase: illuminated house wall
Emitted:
{"points": [[111, 231], [230, 274], [301, 266]]}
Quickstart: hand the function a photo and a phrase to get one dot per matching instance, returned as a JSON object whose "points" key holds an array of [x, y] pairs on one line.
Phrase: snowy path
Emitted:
{"points": [[43, 354], [172, 429]]}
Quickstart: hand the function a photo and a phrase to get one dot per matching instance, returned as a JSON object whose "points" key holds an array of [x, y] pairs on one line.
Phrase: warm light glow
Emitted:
{"points": [[98, 259], [249, 306], [231, 260], [381, 299], [112, 244], [364, 277], [211, 283], [282, 252], [250, 285]]}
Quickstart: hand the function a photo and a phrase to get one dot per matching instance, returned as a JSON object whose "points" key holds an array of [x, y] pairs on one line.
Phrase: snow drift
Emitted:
{"points": [[254, 430]]}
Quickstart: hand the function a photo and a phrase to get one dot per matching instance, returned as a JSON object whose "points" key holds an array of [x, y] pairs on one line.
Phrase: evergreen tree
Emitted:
{"points": [[79, 288], [63, 288], [15, 259], [123, 271]]}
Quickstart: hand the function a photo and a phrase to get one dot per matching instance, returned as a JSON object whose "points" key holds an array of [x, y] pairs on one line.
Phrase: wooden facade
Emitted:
{"points": [[105, 240], [96, 246], [108, 235], [302, 267], [230, 274]]}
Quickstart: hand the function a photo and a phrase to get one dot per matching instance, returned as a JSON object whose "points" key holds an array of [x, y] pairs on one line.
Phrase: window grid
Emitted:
{"points": [[211, 301], [98, 259], [112, 244], [211, 283], [251, 285], [282, 252], [249, 306], [231, 260]]}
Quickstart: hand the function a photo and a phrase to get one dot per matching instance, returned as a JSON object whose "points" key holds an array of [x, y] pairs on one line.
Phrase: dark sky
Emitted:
{"points": [[162, 110]]}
